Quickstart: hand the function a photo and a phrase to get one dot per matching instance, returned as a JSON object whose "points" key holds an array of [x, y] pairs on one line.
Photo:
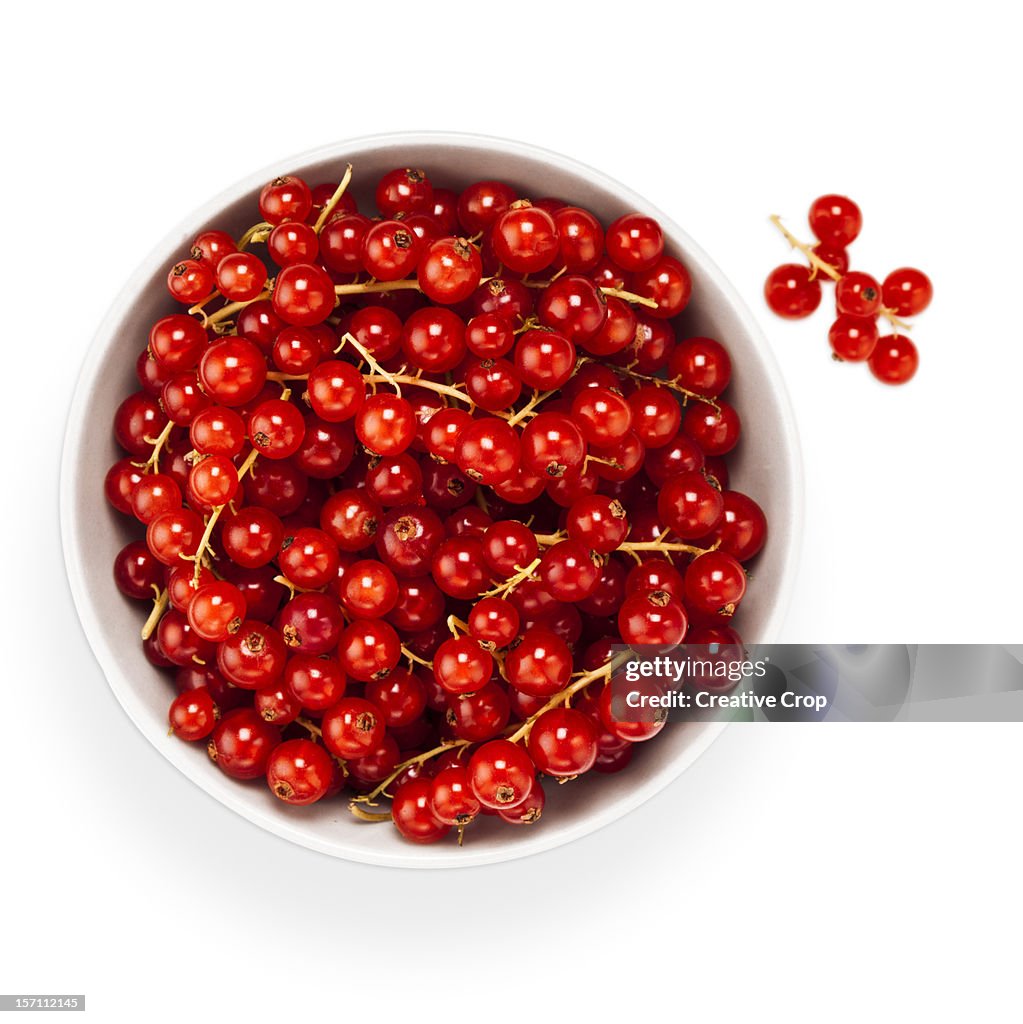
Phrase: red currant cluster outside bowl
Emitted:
{"points": [[765, 464]]}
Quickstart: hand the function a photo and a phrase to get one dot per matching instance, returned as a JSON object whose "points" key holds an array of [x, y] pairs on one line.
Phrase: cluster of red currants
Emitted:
{"points": [[793, 291], [402, 500]]}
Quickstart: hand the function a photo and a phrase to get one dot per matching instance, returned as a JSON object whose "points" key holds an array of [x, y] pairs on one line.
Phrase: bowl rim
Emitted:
{"points": [[212, 783]]}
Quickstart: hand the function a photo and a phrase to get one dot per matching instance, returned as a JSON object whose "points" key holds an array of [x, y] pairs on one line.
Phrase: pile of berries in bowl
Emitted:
{"points": [[404, 472]]}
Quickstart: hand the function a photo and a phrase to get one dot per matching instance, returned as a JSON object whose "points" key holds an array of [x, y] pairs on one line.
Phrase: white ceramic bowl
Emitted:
{"points": [[766, 465]]}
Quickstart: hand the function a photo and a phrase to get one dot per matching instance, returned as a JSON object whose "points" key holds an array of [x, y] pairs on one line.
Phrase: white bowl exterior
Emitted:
{"points": [[766, 465]]}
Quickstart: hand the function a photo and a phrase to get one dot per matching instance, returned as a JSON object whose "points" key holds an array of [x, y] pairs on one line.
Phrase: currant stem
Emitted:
{"points": [[368, 798], [233, 307], [455, 624], [349, 339], [198, 307], [513, 581], [563, 696], [159, 607], [204, 543], [333, 201], [311, 727], [257, 233], [415, 657], [354, 807], [815, 261], [527, 409], [639, 300], [154, 457], [375, 287]]}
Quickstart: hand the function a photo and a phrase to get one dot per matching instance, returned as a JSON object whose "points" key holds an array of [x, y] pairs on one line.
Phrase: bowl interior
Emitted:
{"points": [[765, 466]]}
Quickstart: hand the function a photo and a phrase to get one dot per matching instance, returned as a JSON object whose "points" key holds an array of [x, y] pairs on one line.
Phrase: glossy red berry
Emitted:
{"points": [[635, 242], [404, 190], [894, 359], [193, 714], [907, 291], [540, 664], [412, 812], [668, 284], [791, 292], [563, 743], [242, 743], [449, 270], [303, 295], [835, 220], [690, 505], [501, 774], [299, 772], [525, 238], [241, 276], [652, 618], [353, 727], [852, 338], [858, 294], [285, 198]]}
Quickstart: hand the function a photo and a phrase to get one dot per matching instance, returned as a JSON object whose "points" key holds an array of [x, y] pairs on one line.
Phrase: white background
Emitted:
{"points": [[799, 873]]}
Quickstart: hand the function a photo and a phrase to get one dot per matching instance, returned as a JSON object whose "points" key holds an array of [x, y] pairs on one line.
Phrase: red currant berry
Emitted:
{"points": [[241, 276], [552, 444], [580, 239], [853, 338], [390, 250], [858, 294], [276, 428], [451, 796], [412, 812], [352, 728], [635, 242], [341, 243], [525, 238], [461, 665], [299, 772], [176, 342], [309, 558], [501, 774], [569, 571], [404, 190], [216, 611], [449, 271], [715, 583], [285, 198], [597, 522], [369, 590], [603, 415], [458, 568], [656, 415], [217, 431], [544, 360], [482, 203], [668, 283], [906, 291], [652, 618], [540, 665], [434, 339], [317, 682], [743, 528], [575, 307], [493, 384], [489, 335], [385, 424], [174, 534], [212, 246], [624, 722], [232, 372], [369, 649], [508, 546], [791, 292], [488, 451], [193, 715], [701, 365], [716, 431], [242, 743], [252, 657], [492, 621], [835, 220], [303, 295], [894, 359], [690, 505], [137, 572], [563, 743], [401, 698], [190, 281]]}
